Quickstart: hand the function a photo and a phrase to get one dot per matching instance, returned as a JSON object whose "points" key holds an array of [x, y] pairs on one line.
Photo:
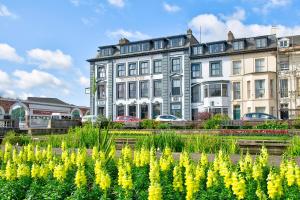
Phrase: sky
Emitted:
{"points": [[44, 44]]}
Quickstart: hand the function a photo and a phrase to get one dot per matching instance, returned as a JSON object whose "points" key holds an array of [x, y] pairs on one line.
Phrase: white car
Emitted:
{"points": [[168, 118], [89, 118]]}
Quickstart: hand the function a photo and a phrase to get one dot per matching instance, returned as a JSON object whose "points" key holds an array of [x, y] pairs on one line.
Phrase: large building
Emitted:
{"points": [[180, 76]]}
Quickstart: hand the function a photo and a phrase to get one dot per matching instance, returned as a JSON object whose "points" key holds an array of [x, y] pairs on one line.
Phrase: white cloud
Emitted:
{"points": [[239, 14], [47, 59], [171, 8], [266, 5], [88, 21], [9, 53], [84, 81], [134, 35], [4, 12], [214, 28], [36, 79], [5, 80], [117, 3], [75, 2]]}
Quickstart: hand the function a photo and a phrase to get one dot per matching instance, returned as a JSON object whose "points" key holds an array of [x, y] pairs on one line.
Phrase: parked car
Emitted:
{"points": [[124, 119], [89, 118], [168, 118], [258, 116]]}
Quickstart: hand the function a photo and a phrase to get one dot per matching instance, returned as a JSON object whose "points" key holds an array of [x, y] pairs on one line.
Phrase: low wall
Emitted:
{"points": [[53, 123]]}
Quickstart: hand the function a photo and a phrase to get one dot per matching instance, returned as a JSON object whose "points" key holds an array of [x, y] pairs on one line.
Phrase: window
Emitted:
{"points": [[159, 44], [120, 90], [124, 49], [156, 110], [205, 91], [157, 88], [272, 86], [176, 86], [196, 70], [238, 45], [197, 50], [144, 68], [260, 109], [144, 89], [216, 48], [145, 46], [283, 88], [284, 66], [106, 52], [134, 48], [132, 89], [176, 109], [248, 90], [214, 90], [224, 90], [284, 43], [298, 86], [101, 92], [144, 111], [259, 88], [261, 42], [260, 65], [132, 110], [176, 42], [176, 65], [196, 94], [236, 67], [157, 68], [215, 69], [120, 110], [236, 90], [132, 69], [215, 111], [121, 71], [101, 72]]}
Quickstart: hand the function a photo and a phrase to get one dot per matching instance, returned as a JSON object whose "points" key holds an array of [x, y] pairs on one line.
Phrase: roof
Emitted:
{"points": [[47, 100]]}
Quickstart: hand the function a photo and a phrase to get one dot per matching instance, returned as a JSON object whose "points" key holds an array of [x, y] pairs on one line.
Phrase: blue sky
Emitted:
{"points": [[44, 44]]}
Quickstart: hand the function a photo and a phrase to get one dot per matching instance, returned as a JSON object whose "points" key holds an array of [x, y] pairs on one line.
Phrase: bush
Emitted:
{"points": [[203, 116], [294, 148], [102, 122], [117, 125], [273, 124], [163, 126], [12, 138], [148, 124], [216, 121]]}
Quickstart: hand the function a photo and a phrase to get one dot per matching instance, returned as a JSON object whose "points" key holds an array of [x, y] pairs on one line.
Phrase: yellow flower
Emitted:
{"points": [[7, 152], [81, 157], [59, 173], [10, 171], [126, 153], [73, 158], [44, 171], [263, 157], [155, 192], [290, 173], [35, 170], [211, 178], [154, 172], [257, 172], [63, 146], [274, 185], [184, 159], [200, 173], [95, 153], [38, 154], [80, 178], [49, 152], [190, 183], [30, 153], [177, 180], [102, 177], [23, 170], [203, 160], [238, 185], [124, 175], [166, 160]]}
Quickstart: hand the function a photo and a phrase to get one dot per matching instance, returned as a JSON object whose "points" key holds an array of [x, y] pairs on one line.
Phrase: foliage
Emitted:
{"points": [[203, 116], [294, 148], [14, 139], [117, 125], [273, 124], [34, 173], [216, 121], [149, 124], [163, 126], [103, 122]]}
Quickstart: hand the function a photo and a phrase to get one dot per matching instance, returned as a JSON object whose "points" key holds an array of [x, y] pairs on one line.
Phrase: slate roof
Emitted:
{"points": [[47, 100]]}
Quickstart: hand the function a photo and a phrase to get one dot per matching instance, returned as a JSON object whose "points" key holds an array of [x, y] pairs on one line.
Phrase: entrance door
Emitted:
{"points": [[101, 111], [284, 111], [236, 112]]}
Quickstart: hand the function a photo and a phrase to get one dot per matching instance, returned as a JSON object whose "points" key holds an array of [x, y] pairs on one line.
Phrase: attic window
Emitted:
{"points": [[284, 43]]}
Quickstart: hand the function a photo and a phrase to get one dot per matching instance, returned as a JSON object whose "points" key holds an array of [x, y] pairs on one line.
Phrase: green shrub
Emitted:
{"points": [[215, 122], [103, 122], [14, 138], [148, 124], [273, 124], [163, 126], [117, 125], [294, 148]]}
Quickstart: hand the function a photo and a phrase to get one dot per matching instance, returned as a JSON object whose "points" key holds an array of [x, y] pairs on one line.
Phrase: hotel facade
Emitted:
{"points": [[178, 75]]}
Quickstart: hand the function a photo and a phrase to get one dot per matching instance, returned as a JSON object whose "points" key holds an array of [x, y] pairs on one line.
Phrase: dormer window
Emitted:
{"points": [[261, 42], [238, 45], [197, 50], [284, 43], [106, 52], [176, 42], [159, 44], [216, 48]]}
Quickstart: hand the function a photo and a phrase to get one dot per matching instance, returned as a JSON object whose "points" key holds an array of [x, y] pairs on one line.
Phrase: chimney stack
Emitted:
{"points": [[123, 41], [230, 37]]}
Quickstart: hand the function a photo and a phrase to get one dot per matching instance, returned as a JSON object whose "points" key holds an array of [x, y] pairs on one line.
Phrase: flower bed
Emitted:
{"points": [[253, 132], [131, 132], [34, 173]]}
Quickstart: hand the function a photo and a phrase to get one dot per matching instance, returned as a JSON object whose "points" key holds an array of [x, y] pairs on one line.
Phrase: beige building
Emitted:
{"points": [[253, 78], [288, 70]]}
